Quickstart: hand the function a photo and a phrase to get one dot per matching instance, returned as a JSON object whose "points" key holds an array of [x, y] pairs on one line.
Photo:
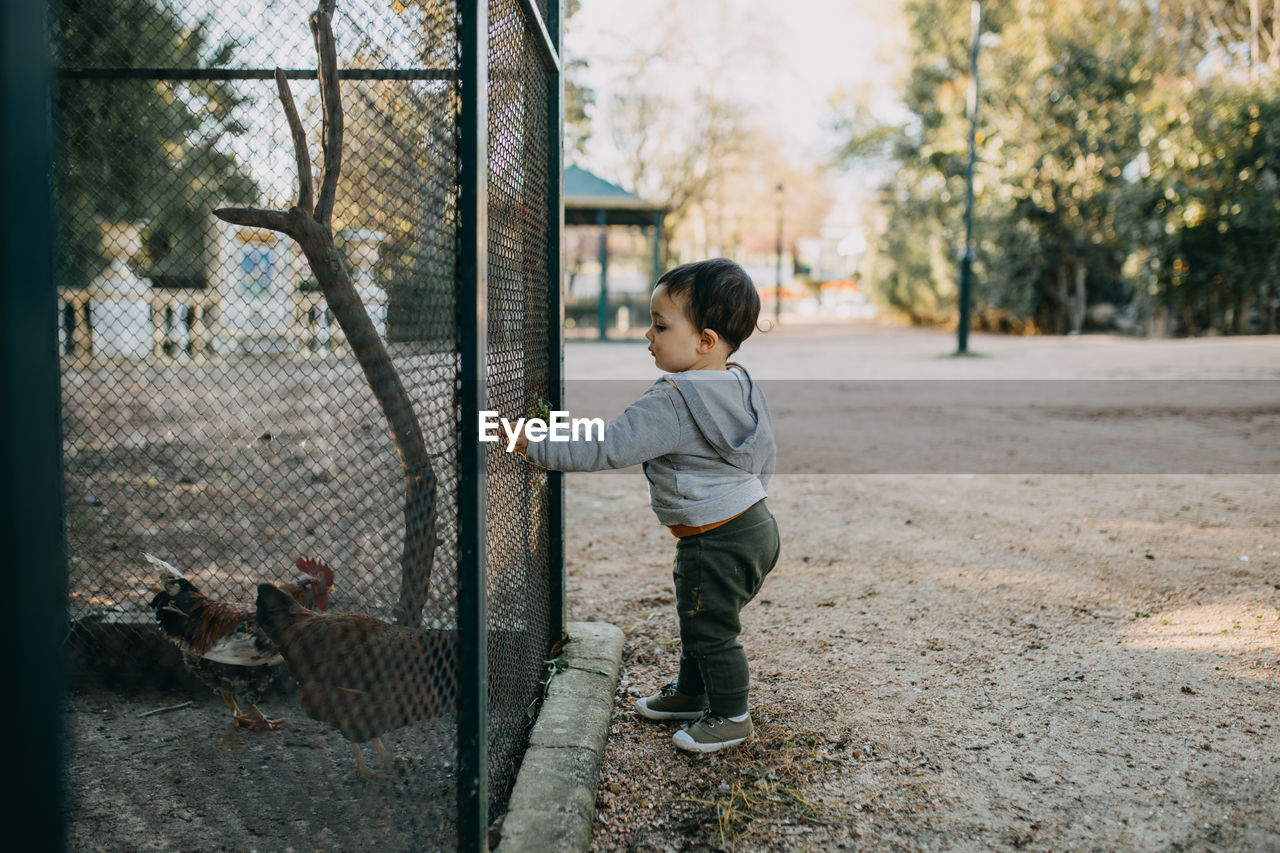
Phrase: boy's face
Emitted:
{"points": [[673, 340]]}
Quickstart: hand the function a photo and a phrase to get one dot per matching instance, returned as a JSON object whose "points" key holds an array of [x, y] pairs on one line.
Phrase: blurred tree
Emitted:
{"points": [[915, 263], [399, 179], [140, 150], [679, 153], [1205, 219], [400, 174], [1116, 165], [678, 166], [578, 97], [689, 141], [1063, 122], [1231, 33], [400, 171]]}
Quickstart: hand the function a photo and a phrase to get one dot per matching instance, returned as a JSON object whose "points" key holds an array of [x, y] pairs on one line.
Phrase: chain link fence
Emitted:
{"points": [[215, 413]]}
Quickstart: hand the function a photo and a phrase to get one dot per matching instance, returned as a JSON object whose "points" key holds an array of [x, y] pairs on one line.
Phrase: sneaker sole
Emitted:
{"points": [[684, 741], [643, 709]]}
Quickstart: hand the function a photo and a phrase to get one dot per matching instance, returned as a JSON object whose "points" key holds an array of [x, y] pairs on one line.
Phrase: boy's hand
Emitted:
{"points": [[540, 409]]}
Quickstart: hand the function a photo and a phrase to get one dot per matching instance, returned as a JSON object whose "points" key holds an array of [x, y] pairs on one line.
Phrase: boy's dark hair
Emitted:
{"points": [[719, 295]]}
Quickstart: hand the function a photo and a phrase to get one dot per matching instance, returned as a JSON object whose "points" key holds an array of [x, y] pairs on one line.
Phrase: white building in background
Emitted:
{"points": [[256, 302], [119, 301], [254, 274], [257, 275], [361, 247]]}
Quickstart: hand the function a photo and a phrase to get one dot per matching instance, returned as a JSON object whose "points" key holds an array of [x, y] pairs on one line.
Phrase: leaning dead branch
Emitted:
{"points": [[309, 223]]}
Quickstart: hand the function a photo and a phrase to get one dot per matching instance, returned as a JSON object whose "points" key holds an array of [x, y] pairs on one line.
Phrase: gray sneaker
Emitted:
{"points": [[713, 733], [670, 704]]}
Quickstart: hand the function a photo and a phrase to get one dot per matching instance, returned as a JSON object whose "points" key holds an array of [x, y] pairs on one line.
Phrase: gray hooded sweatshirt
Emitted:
{"points": [[705, 438]]}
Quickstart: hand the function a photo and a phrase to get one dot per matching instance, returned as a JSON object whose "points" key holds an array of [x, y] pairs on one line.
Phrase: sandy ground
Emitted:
{"points": [[959, 661]]}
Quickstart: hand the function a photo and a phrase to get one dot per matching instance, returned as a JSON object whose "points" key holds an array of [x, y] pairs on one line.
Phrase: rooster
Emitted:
{"points": [[221, 643], [360, 675]]}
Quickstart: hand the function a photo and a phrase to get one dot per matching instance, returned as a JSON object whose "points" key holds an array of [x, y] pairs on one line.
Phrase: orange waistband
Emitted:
{"points": [[682, 530]]}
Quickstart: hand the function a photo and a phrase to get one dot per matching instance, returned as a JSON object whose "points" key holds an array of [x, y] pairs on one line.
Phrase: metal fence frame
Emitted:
{"points": [[473, 719], [42, 540], [30, 440]]}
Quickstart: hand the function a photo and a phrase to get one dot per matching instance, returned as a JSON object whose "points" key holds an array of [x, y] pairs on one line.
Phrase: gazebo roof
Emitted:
{"points": [[586, 196]]}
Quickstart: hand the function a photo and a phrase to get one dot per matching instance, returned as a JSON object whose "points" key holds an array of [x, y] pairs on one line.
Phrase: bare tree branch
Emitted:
{"points": [[305, 181], [331, 106], [314, 235], [255, 217]]}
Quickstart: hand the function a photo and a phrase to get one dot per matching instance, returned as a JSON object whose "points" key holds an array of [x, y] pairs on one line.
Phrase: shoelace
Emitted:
{"points": [[711, 720]]}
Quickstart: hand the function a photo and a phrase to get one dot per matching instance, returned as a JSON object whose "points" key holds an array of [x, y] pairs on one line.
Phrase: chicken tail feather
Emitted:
{"points": [[167, 570]]}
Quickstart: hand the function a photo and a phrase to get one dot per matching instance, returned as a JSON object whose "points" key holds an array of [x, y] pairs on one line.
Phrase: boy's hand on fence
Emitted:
{"points": [[540, 409]]}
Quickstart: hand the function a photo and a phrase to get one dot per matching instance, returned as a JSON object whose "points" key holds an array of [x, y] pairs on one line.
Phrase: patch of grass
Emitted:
{"points": [[742, 790], [539, 408], [553, 668]]}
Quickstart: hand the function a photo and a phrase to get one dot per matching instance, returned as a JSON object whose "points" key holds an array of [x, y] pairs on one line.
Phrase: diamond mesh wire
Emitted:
{"points": [[213, 411], [518, 377]]}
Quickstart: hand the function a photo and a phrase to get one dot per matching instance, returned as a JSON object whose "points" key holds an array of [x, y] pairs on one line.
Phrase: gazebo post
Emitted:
{"points": [[602, 305], [658, 217]]}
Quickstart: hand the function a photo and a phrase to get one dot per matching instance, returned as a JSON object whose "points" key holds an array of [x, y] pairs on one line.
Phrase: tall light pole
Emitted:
{"points": [[777, 288], [966, 257]]}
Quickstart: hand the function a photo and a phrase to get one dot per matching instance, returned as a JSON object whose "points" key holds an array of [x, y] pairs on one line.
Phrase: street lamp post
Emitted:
{"points": [[777, 289], [966, 257]]}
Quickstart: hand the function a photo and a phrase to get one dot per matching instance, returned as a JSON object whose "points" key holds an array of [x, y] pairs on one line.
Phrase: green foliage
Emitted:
{"points": [[140, 150], [578, 98], [1205, 222], [1108, 170], [539, 408]]}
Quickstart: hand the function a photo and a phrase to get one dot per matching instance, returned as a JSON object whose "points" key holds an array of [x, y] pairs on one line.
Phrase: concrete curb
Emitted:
{"points": [[553, 803]]}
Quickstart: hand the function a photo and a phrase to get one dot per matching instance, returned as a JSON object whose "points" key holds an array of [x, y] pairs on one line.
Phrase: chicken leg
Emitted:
{"points": [[362, 769], [254, 719]]}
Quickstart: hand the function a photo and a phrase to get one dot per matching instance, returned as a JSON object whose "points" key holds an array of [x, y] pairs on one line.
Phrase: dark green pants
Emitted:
{"points": [[716, 574]]}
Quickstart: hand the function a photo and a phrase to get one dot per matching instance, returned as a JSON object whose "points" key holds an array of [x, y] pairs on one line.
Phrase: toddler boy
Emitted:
{"points": [[705, 437]]}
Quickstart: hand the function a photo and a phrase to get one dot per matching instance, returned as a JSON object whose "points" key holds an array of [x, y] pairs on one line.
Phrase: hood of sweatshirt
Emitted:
{"points": [[730, 410]]}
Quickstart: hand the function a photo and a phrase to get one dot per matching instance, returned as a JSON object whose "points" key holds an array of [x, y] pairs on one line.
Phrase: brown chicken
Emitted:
{"points": [[358, 674], [221, 643]]}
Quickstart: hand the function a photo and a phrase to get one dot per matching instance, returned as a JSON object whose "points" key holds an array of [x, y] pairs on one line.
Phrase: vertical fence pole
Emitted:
{"points": [[602, 256], [30, 439], [555, 326], [966, 256], [473, 315]]}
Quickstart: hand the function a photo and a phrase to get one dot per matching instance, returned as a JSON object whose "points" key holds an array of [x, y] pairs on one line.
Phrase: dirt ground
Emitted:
{"points": [[962, 661], [996, 662], [954, 660]]}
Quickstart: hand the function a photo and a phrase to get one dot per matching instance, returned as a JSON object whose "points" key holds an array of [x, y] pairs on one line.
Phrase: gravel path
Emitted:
{"points": [[960, 661]]}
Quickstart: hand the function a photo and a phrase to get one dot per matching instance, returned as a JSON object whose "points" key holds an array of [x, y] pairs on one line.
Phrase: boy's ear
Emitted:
{"points": [[707, 340]]}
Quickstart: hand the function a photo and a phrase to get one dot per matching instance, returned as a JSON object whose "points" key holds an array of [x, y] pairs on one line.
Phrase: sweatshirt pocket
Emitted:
{"points": [[663, 481], [696, 486]]}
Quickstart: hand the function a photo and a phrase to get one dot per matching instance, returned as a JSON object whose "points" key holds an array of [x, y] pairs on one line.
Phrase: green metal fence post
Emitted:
{"points": [[30, 438], [555, 330], [473, 700]]}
